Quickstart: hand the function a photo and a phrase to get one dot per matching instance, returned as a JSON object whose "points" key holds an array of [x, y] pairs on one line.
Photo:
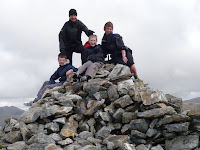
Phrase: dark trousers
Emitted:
{"points": [[119, 60], [78, 48]]}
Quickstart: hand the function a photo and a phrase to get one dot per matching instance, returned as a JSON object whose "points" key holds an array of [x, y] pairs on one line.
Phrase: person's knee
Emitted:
{"points": [[93, 66]]}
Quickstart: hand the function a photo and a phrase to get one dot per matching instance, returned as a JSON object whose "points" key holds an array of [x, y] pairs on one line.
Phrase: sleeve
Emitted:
{"points": [[105, 52], [120, 43], [74, 68], [62, 36], [85, 29], [85, 56], [54, 77]]}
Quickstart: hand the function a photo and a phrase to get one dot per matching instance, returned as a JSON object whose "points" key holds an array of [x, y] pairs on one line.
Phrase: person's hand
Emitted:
{"points": [[125, 59], [68, 72], [90, 32]]}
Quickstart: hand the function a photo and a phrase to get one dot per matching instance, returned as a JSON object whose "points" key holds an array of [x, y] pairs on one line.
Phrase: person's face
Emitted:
{"points": [[73, 18], [108, 30], [93, 41], [61, 61]]}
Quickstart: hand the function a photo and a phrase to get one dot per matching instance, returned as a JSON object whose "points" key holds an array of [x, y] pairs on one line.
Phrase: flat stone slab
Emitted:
{"points": [[157, 112], [31, 115], [178, 127], [174, 118], [123, 101], [182, 142], [119, 71]]}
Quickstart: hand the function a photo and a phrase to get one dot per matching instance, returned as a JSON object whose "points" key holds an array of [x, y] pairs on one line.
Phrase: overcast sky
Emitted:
{"points": [[164, 36]]}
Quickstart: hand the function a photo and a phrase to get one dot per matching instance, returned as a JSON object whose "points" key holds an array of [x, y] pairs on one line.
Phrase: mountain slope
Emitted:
{"points": [[9, 111], [193, 100]]}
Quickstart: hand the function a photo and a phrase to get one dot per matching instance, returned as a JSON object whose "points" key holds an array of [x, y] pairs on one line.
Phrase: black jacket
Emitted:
{"points": [[70, 34], [61, 73], [112, 44], [94, 54]]}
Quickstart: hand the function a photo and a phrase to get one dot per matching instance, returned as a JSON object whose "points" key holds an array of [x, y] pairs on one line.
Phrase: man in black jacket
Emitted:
{"points": [[70, 36]]}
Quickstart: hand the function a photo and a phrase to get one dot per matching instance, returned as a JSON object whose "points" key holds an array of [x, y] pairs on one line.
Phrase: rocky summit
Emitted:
{"points": [[113, 111]]}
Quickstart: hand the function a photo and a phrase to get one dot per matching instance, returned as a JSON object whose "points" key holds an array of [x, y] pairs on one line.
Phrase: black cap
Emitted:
{"points": [[72, 12]]}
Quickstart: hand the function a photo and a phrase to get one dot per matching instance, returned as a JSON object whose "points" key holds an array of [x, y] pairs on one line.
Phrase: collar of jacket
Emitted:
{"points": [[92, 46], [66, 63], [108, 37], [73, 23]]}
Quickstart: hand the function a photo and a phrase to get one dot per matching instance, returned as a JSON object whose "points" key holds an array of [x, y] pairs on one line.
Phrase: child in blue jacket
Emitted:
{"points": [[61, 73]]}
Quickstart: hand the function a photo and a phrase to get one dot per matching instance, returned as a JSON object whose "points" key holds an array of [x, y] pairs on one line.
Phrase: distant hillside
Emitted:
{"points": [[194, 100], [9, 111]]}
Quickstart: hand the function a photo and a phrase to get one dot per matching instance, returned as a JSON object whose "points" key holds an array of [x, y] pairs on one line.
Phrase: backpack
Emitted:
{"points": [[127, 48]]}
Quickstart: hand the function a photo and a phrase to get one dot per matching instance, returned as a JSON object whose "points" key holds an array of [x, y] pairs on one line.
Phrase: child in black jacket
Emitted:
{"points": [[92, 59], [114, 45]]}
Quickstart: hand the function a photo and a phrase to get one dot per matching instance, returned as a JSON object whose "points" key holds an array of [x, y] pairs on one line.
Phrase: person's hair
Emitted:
{"points": [[108, 24], [93, 36], [62, 55]]}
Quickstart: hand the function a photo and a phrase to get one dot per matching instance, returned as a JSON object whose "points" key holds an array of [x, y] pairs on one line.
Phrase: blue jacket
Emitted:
{"points": [[61, 73]]}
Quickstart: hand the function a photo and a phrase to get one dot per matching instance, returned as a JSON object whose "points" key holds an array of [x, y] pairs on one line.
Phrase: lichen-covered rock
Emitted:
{"points": [[123, 101], [103, 132], [116, 141], [113, 93], [119, 71], [174, 118], [182, 142], [13, 136], [138, 134], [67, 141], [53, 147], [60, 120], [178, 127], [94, 106], [126, 87], [26, 134], [44, 139], [150, 97], [31, 115], [70, 128], [101, 95], [157, 112], [158, 147], [17, 146], [141, 125], [56, 137], [177, 102], [128, 116], [36, 146]]}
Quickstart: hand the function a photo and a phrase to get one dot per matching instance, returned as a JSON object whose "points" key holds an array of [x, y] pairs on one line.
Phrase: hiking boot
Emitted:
{"points": [[76, 77], [83, 79]]}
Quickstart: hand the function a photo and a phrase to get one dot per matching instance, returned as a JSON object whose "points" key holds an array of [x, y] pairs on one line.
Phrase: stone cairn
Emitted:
{"points": [[113, 111]]}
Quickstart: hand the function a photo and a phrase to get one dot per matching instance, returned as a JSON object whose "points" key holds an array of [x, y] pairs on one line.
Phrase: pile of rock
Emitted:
{"points": [[112, 111]]}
